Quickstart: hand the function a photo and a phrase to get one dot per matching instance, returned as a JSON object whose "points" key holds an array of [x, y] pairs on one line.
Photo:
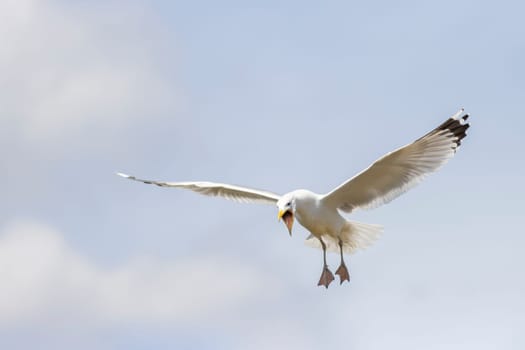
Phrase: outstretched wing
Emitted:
{"points": [[232, 192], [400, 170]]}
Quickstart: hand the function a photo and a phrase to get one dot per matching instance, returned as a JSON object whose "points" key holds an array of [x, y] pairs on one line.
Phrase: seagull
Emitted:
{"points": [[384, 180]]}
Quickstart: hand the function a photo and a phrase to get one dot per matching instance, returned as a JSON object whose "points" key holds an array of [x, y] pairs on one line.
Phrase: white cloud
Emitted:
{"points": [[44, 279], [67, 69]]}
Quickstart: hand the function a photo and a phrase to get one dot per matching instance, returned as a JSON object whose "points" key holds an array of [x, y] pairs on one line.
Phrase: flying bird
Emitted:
{"points": [[386, 179]]}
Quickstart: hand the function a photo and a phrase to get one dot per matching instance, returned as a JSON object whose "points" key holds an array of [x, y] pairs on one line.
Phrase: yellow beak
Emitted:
{"points": [[288, 219]]}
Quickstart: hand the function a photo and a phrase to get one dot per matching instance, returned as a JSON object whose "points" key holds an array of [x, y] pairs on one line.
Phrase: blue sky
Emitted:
{"points": [[274, 95]]}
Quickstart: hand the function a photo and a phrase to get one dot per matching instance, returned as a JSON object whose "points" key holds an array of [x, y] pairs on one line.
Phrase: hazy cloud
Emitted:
{"points": [[45, 279], [68, 71]]}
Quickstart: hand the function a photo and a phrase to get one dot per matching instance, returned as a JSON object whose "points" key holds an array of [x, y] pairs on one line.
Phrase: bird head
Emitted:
{"points": [[286, 207]]}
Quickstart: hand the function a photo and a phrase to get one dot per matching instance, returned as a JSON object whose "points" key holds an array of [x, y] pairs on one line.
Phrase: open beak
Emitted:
{"points": [[287, 217]]}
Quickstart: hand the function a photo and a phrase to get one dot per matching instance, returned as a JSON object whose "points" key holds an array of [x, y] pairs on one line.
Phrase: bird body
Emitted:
{"points": [[326, 223], [386, 179], [314, 215]]}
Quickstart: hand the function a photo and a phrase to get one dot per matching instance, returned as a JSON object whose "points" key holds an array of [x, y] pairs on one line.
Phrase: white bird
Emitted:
{"points": [[387, 178]]}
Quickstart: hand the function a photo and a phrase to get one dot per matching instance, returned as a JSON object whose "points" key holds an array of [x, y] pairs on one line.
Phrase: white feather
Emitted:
{"points": [[357, 235], [213, 189], [400, 170]]}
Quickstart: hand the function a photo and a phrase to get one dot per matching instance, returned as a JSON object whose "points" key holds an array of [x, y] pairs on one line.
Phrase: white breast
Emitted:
{"points": [[315, 217]]}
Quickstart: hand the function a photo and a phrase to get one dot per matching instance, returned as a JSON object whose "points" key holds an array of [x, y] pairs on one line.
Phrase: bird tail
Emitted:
{"points": [[355, 235]]}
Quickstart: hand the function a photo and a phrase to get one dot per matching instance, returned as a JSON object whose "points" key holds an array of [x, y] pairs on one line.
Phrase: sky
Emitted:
{"points": [[277, 95]]}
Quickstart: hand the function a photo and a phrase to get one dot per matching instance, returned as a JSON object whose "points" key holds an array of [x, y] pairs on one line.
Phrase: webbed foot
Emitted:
{"points": [[326, 277]]}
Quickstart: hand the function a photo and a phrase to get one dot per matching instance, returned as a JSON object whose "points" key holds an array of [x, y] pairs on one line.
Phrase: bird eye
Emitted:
{"points": [[288, 204]]}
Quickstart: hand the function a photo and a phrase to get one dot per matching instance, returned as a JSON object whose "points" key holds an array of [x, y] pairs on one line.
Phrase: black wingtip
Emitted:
{"points": [[456, 125]]}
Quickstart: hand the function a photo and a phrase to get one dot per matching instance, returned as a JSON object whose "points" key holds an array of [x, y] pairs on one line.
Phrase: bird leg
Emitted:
{"points": [[326, 277], [342, 271]]}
